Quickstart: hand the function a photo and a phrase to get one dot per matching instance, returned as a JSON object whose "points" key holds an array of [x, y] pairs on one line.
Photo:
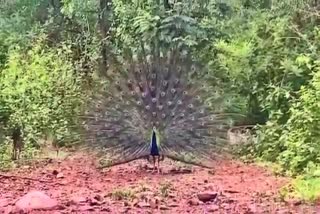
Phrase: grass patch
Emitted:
{"points": [[123, 194], [306, 189], [165, 188]]}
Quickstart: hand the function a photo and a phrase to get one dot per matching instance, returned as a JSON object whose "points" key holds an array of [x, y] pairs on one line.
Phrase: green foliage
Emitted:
{"points": [[305, 187], [262, 54], [273, 63], [40, 92]]}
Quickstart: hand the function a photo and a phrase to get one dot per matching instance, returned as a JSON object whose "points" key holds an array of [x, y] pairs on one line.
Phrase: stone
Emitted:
{"points": [[36, 200], [193, 202], [207, 196], [60, 175]]}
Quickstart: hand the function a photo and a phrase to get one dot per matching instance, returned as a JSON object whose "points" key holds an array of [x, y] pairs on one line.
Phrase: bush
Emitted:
{"points": [[40, 91]]}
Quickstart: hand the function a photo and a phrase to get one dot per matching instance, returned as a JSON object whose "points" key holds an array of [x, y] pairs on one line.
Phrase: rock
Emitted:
{"points": [[153, 204], [78, 200], [60, 175], [172, 195], [211, 172], [105, 209], [193, 202], [135, 202], [185, 170], [8, 210], [143, 205], [231, 191], [207, 196], [173, 205], [36, 200], [98, 197], [86, 208], [4, 202], [213, 208], [94, 202], [294, 202], [55, 172], [163, 207]]}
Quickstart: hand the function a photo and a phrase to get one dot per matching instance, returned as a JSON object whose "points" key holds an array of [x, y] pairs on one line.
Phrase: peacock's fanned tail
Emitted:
{"points": [[166, 92]]}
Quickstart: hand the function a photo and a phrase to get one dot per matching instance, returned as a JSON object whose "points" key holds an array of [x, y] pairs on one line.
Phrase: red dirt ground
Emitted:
{"points": [[81, 188]]}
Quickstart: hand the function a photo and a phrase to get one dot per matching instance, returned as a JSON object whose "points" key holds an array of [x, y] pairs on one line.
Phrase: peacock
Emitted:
{"points": [[158, 104]]}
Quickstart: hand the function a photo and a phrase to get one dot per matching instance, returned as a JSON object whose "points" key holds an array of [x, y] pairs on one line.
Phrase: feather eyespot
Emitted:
{"points": [[144, 94], [117, 82], [173, 90], [179, 102], [147, 107], [153, 100], [176, 81], [198, 97], [154, 114], [201, 111], [190, 105], [164, 83], [133, 93], [185, 92], [163, 94], [169, 103], [179, 68], [139, 103], [130, 81], [153, 76], [163, 116]]}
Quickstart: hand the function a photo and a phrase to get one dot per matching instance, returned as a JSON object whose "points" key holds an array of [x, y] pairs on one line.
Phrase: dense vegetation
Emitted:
{"points": [[264, 51]]}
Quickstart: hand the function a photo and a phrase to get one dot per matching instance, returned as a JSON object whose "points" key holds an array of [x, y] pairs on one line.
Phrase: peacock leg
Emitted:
{"points": [[158, 167], [154, 163]]}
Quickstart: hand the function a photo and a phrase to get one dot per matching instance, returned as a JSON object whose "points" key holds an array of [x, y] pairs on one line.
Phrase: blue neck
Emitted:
{"points": [[154, 147]]}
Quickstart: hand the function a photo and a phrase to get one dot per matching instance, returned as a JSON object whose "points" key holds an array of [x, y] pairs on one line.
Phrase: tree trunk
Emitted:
{"points": [[104, 30]]}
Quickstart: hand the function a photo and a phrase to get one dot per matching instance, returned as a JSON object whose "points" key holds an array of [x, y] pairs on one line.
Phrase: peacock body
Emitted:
{"points": [[158, 104]]}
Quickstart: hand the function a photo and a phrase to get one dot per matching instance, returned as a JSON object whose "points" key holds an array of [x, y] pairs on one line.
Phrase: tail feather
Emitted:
{"points": [[166, 91]]}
